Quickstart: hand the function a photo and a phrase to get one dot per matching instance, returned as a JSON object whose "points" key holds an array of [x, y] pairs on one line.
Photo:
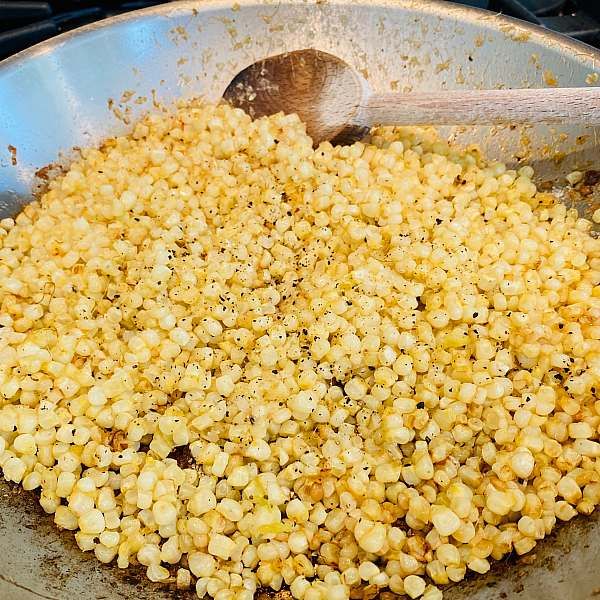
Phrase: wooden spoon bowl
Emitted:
{"points": [[337, 103]]}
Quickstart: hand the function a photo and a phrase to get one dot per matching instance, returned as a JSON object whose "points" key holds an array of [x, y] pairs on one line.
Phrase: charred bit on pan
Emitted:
{"points": [[13, 155]]}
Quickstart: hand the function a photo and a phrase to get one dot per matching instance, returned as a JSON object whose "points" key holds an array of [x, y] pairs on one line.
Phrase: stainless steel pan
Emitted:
{"points": [[83, 86]]}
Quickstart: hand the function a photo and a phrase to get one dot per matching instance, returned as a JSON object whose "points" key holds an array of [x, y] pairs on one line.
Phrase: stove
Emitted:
{"points": [[579, 19], [24, 23]]}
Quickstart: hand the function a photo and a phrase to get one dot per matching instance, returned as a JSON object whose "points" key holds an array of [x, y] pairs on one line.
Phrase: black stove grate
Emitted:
{"points": [[579, 19], [24, 23]]}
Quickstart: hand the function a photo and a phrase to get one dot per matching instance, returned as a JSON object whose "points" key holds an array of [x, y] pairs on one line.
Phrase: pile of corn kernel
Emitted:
{"points": [[381, 362]]}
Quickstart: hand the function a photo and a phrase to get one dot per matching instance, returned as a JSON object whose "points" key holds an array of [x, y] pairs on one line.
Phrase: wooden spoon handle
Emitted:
{"points": [[484, 107]]}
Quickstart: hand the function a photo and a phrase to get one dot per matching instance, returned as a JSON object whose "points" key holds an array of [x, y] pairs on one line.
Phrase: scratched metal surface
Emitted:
{"points": [[79, 88]]}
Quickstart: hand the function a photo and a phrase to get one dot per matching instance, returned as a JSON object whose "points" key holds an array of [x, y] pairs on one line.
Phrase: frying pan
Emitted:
{"points": [[78, 88]]}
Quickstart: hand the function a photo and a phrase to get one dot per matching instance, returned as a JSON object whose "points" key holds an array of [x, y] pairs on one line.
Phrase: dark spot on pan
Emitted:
{"points": [[591, 178], [13, 155], [183, 456]]}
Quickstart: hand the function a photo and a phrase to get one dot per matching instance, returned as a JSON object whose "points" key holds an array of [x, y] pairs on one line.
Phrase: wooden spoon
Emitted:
{"points": [[337, 104]]}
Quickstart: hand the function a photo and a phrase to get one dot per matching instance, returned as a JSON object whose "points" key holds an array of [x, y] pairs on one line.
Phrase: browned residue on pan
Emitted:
{"points": [[585, 196], [13, 155]]}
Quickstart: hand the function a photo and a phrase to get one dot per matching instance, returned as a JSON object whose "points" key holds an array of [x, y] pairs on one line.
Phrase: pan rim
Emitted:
{"points": [[461, 13]]}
